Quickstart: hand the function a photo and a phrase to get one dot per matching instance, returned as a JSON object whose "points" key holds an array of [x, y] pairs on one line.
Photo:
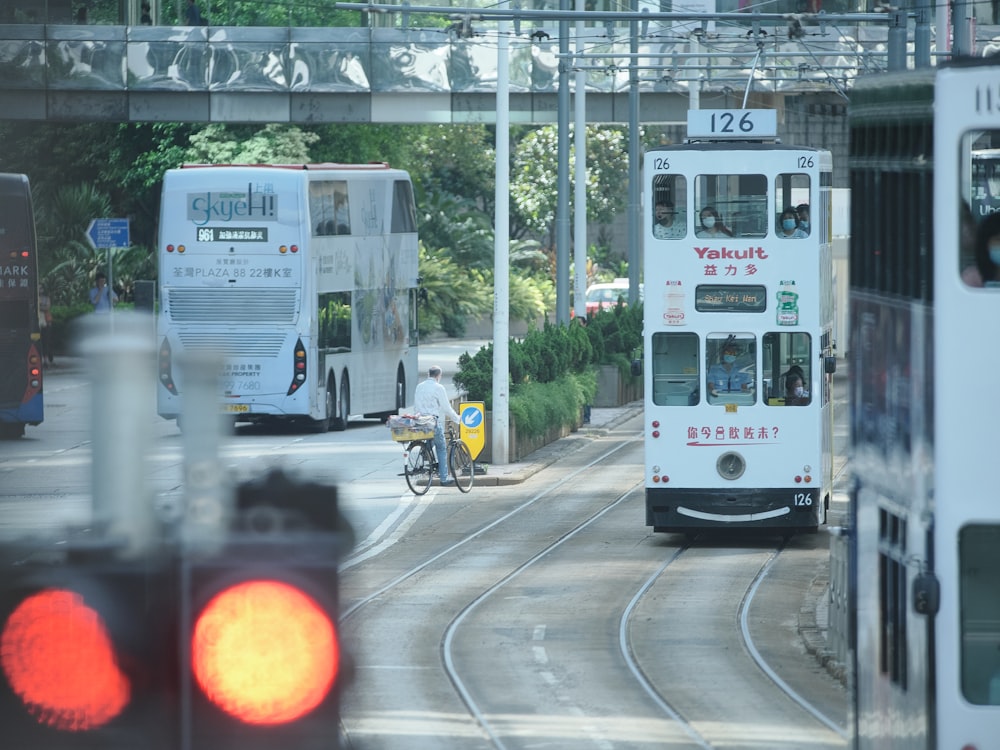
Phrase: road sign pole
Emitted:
{"points": [[109, 234]]}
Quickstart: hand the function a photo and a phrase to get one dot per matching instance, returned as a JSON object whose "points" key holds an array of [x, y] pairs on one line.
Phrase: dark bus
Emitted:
{"points": [[20, 333]]}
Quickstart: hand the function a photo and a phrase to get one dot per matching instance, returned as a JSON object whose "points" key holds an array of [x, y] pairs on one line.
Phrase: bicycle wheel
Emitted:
{"points": [[463, 468], [418, 467]]}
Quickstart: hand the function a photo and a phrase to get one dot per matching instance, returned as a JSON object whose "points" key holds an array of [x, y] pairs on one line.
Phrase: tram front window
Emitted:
{"points": [[731, 366], [675, 369], [979, 598], [785, 356]]}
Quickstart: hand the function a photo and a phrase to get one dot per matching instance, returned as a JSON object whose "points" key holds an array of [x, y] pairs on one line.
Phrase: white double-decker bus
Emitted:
{"points": [[302, 278], [737, 334]]}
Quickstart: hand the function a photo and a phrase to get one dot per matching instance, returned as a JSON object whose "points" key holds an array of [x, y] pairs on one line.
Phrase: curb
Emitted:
{"points": [[812, 634]]}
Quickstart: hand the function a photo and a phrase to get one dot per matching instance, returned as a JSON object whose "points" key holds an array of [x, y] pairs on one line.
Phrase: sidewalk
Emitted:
{"points": [[602, 419]]}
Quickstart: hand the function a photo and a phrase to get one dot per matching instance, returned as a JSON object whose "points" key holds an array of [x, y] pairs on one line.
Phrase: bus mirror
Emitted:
{"points": [[636, 368], [830, 365]]}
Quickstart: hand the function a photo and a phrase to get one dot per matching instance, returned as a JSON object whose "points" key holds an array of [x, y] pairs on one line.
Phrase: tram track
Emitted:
{"points": [[514, 620]]}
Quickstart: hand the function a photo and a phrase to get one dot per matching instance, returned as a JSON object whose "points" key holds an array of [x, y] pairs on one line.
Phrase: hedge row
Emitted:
{"points": [[553, 370]]}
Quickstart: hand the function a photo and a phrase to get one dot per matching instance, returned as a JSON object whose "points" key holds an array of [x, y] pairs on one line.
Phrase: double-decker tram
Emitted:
{"points": [[925, 310], [302, 278], [20, 331], [738, 323]]}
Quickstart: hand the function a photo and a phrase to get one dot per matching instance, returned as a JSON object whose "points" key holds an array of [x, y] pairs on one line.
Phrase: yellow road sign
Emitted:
{"points": [[472, 426]]}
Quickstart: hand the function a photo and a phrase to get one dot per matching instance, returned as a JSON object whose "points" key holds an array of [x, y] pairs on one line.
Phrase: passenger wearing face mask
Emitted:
{"points": [[988, 251], [788, 225], [725, 377], [710, 224], [795, 392], [802, 211]]}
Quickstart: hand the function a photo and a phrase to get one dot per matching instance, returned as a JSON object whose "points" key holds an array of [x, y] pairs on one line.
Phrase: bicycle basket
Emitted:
{"points": [[407, 427]]}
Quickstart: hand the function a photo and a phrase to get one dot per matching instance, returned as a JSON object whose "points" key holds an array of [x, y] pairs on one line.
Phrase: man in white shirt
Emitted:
{"points": [[668, 225], [432, 398]]}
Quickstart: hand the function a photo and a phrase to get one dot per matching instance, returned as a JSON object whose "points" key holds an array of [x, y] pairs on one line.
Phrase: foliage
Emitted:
{"points": [[453, 293], [542, 356], [449, 221], [537, 407], [534, 174], [248, 144], [615, 335], [266, 13]]}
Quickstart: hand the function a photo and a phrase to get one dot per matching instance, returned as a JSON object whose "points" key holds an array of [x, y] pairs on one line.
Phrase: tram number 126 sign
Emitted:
{"points": [[732, 123]]}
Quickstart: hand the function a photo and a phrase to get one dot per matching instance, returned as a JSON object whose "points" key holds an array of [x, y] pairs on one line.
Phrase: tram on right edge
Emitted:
{"points": [[924, 534]]}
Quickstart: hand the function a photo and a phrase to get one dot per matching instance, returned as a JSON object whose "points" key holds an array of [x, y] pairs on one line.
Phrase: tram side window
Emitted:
{"points": [[669, 196], [787, 365], [675, 369], [979, 597], [791, 204], [329, 208], [731, 368], [739, 201], [979, 220]]}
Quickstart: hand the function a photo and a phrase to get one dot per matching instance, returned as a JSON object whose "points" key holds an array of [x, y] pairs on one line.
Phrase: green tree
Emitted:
{"points": [[533, 178], [67, 262], [250, 144]]}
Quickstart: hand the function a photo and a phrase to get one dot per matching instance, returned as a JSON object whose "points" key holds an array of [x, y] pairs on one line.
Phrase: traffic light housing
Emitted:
{"points": [[82, 648], [262, 661], [220, 643]]}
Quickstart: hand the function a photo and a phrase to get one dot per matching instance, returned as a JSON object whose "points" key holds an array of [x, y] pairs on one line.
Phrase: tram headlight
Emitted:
{"points": [[731, 465]]}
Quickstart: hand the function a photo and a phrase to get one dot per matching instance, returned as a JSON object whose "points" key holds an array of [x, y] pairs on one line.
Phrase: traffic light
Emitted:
{"points": [[260, 648], [223, 643], [82, 648]]}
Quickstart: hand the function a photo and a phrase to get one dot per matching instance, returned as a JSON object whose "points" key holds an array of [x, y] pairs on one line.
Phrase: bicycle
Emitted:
{"points": [[420, 463]]}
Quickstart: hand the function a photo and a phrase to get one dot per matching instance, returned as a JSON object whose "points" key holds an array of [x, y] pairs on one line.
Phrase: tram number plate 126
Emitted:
{"points": [[732, 123], [803, 500]]}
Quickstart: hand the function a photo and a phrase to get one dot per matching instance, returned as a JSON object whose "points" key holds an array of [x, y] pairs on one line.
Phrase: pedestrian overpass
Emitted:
{"points": [[391, 75]]}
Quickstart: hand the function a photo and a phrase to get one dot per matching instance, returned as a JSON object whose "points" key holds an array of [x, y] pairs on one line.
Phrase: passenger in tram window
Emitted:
{"points": [[795, 391], [710, 224], [988, 250], [788, 225], [668, 225], [802, 211], [725, 377]]}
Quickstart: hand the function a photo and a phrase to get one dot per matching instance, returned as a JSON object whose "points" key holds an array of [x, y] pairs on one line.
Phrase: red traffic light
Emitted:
{"points": [[264, 652], [60, 661]]}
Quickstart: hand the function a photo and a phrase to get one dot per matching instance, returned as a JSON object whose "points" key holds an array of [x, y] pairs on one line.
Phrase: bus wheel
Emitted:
{"points": [[343, 405], [323, 425]]}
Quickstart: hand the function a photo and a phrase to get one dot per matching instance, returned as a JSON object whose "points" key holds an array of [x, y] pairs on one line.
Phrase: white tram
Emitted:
{"points": [[925, 310], [737, 335]]}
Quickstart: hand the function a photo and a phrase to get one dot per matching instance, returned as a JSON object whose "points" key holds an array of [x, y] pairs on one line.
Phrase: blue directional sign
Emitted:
{"points": [[103, 233]]}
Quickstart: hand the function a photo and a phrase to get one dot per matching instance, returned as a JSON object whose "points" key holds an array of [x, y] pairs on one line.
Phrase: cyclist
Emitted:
{"points": [[431, 398]]}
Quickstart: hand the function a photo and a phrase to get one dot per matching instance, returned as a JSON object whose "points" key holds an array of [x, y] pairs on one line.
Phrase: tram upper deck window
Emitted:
{"points": [[979, 218], [739, 201], [731, 368], [676, 371], [791, 206], [669, 202], [979, 602]]}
